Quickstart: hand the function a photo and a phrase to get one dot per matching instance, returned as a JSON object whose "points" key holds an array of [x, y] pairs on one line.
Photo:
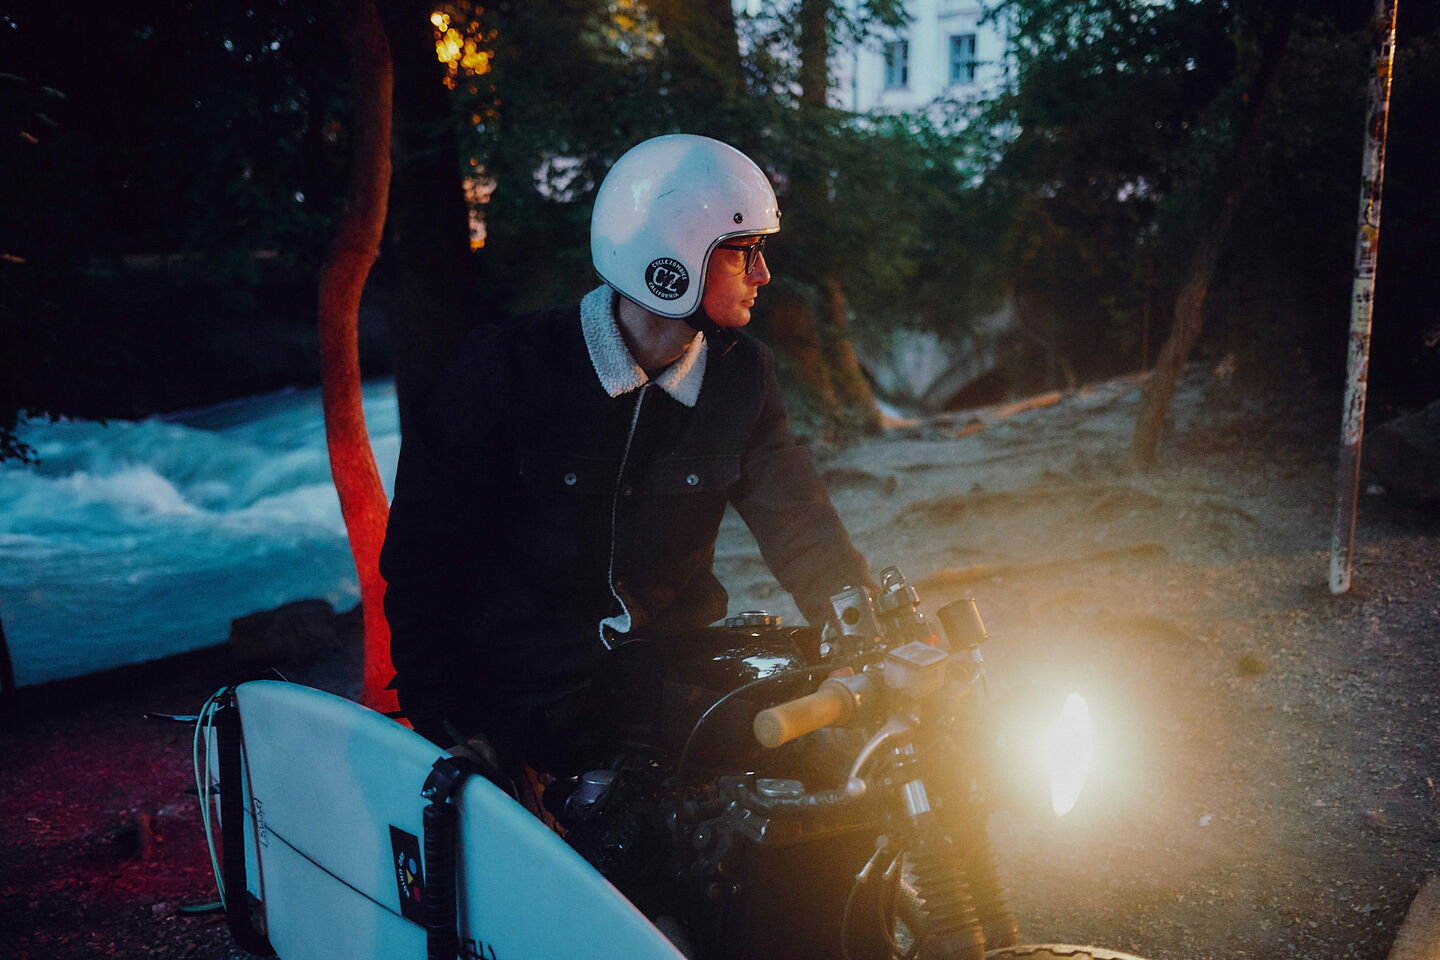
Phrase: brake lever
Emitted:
{"points": [[895, 725]]}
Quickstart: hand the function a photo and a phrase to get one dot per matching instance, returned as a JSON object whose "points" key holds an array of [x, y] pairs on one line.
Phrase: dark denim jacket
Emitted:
{"points": [[529, 505]]}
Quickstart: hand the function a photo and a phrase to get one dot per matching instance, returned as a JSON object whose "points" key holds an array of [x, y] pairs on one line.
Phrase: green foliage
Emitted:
{"points": [[544, 128], [1112, 100], [902, 230], [185, 136], [900, 226], [1118, 135]]}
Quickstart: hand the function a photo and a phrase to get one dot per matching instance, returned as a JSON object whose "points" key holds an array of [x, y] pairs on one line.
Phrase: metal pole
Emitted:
{"points": [[1367, 242]]}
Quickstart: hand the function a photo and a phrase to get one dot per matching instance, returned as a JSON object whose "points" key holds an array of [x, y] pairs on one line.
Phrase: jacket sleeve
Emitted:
{"points": [[783, 501], [441, 521]]}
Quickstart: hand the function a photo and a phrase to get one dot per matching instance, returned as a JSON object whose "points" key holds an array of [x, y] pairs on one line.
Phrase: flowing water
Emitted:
{"points": [[136, 540]]}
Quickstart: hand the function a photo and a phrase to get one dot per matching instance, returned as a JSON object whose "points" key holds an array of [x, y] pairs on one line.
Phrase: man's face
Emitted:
{"points": [[729, 288]]}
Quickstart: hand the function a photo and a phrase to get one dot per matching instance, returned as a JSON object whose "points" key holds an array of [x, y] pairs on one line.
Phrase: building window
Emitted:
{"points": [[897, 64], [962, 58]]}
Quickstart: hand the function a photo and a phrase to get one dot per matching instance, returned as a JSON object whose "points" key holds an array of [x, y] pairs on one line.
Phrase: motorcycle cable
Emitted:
{"points": [[894, 882], [894, 854], [681, 764]]}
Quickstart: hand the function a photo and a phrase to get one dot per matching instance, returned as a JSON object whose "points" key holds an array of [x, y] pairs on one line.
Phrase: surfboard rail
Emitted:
{"points": [[348, 834]]}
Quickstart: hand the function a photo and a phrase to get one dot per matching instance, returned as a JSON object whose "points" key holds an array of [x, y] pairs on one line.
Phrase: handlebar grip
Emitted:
{"points": [[832, 703]]}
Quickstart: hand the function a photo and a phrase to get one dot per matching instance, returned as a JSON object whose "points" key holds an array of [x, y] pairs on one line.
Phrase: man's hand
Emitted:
{"points": [[476, 748]]}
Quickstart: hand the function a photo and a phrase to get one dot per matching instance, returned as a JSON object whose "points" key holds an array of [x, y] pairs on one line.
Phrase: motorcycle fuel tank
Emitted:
{"points": [[662, 687]]}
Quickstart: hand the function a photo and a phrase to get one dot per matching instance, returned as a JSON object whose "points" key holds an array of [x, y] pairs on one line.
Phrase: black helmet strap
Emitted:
{"points": [[714, 333]]}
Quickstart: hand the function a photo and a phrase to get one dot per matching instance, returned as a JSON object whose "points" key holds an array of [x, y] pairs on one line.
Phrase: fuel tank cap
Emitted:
{"points": [[776, 787], [753, 618]]}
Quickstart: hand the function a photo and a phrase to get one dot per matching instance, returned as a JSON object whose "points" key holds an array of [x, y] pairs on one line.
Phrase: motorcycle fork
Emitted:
{"points": [[937, 908]]}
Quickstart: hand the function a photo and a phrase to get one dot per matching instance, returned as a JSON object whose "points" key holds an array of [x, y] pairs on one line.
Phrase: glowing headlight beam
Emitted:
{"points": [[1067, 749]]}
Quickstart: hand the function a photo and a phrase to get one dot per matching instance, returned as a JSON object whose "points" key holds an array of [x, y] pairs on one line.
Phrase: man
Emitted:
{"points": [[563, 489]]}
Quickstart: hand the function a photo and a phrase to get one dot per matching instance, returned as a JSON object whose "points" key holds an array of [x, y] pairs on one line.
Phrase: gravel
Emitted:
{"points": [[1267, 764]]}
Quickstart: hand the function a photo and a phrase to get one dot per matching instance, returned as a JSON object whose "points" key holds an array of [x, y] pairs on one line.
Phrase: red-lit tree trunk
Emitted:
{"points": [[357, 243]]}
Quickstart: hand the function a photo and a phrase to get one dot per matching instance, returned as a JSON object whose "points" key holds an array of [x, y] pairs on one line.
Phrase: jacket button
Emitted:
{"points": [[693, 479], [627, 491], [570, 479]]}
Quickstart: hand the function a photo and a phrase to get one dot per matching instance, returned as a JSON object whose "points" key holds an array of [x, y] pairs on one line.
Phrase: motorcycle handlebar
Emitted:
{"points": [[832, 703]]}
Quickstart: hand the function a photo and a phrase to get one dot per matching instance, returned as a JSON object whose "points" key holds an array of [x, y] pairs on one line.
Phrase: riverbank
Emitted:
{"points": [[1270, 753]]}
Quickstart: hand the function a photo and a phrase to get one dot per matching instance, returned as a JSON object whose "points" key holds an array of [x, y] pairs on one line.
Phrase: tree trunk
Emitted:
{"points": [[796, 336], [357, 243], [1190, 301], [852, 405], [814, 50], [427, 243], [1036, 323], [1189, 319], [855, 403], [702, 53]]}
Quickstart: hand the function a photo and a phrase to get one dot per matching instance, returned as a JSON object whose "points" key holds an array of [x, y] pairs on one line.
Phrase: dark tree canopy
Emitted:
{"points": [[170, 193], [182, 172], [1112, 152]]}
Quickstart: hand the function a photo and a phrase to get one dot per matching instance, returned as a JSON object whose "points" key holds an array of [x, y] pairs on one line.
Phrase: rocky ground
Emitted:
{"points": [[1267, 751]]}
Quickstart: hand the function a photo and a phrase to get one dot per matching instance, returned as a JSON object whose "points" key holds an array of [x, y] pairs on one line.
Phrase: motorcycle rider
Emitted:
{"points": [[563, 488]]}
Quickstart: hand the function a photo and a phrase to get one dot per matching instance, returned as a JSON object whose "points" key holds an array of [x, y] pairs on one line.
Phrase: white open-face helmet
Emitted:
{"points": [[663, 208]]}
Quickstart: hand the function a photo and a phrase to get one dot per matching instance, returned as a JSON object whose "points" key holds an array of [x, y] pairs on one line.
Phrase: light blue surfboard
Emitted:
{"points": [[333, 837]]}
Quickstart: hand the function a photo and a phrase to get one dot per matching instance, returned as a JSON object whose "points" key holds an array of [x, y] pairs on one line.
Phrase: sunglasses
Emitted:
{"points": [[752, 252]]}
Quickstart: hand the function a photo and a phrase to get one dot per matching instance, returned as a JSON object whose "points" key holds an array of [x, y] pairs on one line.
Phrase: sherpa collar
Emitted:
{"points": [[616, 367]]}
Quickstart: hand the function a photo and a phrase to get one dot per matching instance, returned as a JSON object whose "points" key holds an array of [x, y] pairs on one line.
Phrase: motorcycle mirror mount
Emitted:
{"points": [[898, 607], [851, 627], [854, 613]]}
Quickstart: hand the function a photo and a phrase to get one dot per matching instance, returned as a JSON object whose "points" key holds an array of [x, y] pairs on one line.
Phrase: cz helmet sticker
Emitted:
{"points": [[667, 279]]}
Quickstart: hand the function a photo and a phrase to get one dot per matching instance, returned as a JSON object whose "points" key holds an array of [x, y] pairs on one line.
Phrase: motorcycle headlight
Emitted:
{"points": [[1041, 751], [1067, 750]]}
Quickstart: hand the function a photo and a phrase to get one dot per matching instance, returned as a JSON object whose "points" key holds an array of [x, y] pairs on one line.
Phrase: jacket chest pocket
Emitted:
{"points": [[561, 520], [687, 475], [547, 475]]}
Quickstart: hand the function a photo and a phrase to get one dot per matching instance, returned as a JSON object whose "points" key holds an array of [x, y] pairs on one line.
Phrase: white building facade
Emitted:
{"points": [[949, 49]]}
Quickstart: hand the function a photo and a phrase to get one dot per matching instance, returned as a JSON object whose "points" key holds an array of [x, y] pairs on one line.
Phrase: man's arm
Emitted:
{"points": [[441, 522], [784, 503]]}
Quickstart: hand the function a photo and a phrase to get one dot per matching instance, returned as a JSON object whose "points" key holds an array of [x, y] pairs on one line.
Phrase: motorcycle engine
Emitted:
{"points": [[727, 854], [768, 881], [611, 820]]}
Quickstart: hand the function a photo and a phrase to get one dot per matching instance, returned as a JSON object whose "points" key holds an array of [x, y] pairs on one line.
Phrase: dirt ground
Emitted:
{"points": [[1265, 781]]}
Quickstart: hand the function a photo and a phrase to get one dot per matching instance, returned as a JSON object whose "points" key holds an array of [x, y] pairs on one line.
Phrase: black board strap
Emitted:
{"points": [[442, 921], [232, 831], [7, 669]]}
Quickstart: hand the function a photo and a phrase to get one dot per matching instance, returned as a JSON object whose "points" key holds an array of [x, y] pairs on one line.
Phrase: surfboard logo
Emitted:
{"points": [[262, 833], [405, 850]]}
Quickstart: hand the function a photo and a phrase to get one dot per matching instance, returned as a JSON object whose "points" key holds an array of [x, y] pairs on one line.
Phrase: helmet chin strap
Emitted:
{"points": [[714, 333]]}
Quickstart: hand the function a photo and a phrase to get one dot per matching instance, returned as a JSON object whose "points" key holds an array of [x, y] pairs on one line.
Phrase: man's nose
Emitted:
{"points": [[761, 274]]}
